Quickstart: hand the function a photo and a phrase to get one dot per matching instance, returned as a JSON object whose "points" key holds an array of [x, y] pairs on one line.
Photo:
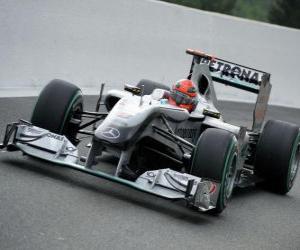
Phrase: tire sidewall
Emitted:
{"points": [[76, 100], [289, 182], [276, 150], [213, 162], [231, 154], [55, 107]]}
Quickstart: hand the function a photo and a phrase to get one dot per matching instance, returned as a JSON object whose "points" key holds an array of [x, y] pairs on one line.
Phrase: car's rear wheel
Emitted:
{"points": [[278, 155], [149, 86], [58, 109], [215, 158]]}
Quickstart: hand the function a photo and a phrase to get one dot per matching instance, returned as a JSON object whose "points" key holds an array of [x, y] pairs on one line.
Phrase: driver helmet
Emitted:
{"points": [[184, 95]]}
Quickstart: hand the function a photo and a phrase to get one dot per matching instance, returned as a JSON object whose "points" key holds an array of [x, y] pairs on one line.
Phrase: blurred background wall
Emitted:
{"points": [[117, 42], [282, 12]]}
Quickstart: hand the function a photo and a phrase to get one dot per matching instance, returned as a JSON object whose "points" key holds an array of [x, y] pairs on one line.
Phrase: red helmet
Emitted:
{"points": [[184, 95]]}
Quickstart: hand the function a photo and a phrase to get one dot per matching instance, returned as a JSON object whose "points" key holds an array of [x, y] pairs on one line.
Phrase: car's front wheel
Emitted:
{"points": [[58, 109], [215, 158]]}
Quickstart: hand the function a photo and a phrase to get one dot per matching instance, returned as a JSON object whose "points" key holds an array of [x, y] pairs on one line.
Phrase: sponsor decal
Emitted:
{"points": [[213, 188], [111, 133], [124, 114], [33, 130], [150, 174], [70, 149], [186, 132], [123, 102], [180, 177], [56, 137], [232, 70]]}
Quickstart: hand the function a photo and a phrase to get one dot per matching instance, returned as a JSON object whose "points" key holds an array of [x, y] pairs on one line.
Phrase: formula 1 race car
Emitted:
{"points": [[163, 149]]}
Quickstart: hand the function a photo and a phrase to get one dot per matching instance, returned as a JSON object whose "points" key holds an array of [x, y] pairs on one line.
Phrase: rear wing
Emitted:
{"points": [[238, 76]]}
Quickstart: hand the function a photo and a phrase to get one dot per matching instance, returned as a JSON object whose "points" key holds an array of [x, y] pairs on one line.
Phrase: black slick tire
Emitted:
{"points": [[58, 108], [149, 86], [278, 155], [214, 158]]}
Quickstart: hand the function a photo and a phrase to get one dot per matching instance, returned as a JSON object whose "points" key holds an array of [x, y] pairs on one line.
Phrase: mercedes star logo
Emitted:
{"points": [[111, 133]]}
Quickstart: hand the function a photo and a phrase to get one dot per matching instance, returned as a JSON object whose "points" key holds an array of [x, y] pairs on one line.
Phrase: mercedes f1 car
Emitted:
{"points": [[162, 149]]}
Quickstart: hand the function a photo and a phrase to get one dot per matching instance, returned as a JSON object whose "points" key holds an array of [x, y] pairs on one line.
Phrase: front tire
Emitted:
{"points": [[215, 158], [58, 109], [278, 155]]}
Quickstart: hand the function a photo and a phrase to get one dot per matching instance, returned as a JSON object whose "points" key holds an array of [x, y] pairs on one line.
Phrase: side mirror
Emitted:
{"points": [[133, 89], [211, 113]]}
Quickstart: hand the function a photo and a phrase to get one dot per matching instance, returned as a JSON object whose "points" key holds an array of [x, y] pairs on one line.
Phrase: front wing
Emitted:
{"points": [[166, 183]]}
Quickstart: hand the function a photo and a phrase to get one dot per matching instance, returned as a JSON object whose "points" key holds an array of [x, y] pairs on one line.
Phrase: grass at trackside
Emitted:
{"points": [[282, 12]]}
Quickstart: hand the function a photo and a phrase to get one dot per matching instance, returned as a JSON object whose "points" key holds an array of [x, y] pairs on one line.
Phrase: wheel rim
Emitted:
{"points": [[74, 112], [295, 162], [71, 127], [71, 110], [230, 178]]}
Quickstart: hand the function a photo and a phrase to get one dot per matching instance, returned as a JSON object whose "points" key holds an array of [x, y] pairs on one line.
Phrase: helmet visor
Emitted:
{"points": [[181, 98]]}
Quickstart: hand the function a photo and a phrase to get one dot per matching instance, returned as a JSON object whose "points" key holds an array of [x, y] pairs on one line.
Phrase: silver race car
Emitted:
{"points": [[165, 150]]}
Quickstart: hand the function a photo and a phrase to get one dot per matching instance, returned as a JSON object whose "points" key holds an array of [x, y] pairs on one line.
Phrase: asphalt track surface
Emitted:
{"points": [[43, 206]]}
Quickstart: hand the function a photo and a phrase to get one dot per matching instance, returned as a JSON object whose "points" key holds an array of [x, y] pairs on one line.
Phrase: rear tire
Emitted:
{"points": [[58, 109], [215, 158], [149, 86], [278, 155]]}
